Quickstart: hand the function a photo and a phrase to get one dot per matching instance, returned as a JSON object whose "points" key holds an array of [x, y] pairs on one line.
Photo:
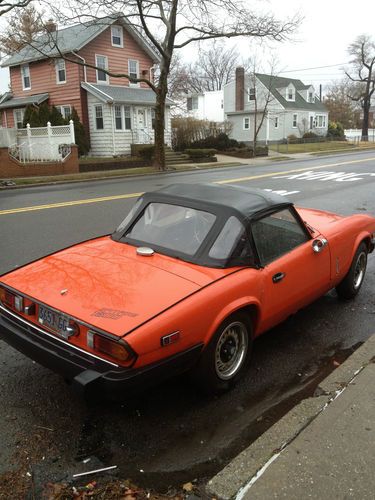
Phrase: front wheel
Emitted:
{"points": [[351, 284], [226, 357]]}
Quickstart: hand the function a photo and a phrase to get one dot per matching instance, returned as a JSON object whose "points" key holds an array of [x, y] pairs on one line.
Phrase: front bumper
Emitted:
{"points": [[89, 374]]}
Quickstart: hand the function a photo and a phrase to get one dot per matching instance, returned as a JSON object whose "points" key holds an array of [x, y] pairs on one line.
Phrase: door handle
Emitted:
{"points": [[278, 277]]}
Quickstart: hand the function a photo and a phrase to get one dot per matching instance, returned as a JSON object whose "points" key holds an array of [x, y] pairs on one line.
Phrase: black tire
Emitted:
{"points": [[351, 284], [226, 357]]}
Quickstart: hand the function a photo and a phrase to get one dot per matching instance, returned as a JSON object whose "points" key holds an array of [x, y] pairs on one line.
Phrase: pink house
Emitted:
{"points": [[115, 112]]}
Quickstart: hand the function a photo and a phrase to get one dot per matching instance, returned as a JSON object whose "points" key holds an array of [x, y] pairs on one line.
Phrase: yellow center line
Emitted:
{"points": [[69, 203], [273, 174], [135, 195]]}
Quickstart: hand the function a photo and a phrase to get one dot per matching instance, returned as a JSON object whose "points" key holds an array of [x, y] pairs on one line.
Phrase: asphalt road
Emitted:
{"points": [[171, 434]]}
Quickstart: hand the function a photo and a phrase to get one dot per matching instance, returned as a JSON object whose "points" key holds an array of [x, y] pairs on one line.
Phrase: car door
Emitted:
{"points": [[292, 273]]}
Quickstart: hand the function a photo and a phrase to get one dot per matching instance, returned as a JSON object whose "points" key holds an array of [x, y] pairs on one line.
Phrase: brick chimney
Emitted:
{"points": [[240, 88], [50, 26]]}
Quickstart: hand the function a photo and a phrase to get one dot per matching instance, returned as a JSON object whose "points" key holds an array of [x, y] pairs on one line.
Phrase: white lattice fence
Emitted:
{"points": [[39, 144]]}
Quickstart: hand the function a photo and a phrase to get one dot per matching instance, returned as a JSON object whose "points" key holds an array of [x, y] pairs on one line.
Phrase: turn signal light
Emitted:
{"points": [[114, 348]]}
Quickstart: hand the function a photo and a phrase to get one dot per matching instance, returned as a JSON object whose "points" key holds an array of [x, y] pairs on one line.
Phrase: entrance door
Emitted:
{"points": [[141, 125]]}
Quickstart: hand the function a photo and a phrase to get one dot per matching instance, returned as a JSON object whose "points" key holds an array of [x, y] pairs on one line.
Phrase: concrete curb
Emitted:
{"points": [[245, 467]]}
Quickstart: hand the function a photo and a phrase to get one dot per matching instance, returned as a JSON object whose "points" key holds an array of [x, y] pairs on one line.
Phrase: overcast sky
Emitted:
{"points": [[328, 27]]}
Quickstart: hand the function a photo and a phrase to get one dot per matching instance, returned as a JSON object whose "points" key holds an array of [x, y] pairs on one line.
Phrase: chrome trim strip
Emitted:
{"points": [[19, 318]]}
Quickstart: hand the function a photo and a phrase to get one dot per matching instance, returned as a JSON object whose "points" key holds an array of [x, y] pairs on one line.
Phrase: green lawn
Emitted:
{"points": [[311, 147]]}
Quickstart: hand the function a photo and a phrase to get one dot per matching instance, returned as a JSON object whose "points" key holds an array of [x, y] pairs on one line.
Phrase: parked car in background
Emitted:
{"points": [[188, 280]]}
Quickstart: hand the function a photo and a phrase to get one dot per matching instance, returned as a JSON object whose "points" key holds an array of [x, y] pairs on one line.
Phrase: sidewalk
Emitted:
{"points": [[324, 448]]}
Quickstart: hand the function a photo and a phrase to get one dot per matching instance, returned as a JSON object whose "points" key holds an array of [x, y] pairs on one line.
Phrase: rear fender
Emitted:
{"points": [[243, 303], [363, 236]]}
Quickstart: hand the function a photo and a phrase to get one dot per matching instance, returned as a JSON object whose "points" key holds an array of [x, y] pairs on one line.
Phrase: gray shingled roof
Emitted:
{"points": [[18, 102], [276, 82], [122, 94], [74, 38]]}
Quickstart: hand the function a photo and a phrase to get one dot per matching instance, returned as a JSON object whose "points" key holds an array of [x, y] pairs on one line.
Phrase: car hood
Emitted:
{"points": [[106, 284]]}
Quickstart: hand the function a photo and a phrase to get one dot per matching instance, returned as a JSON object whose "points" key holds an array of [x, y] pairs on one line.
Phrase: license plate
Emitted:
{"points": [[59, 323]]}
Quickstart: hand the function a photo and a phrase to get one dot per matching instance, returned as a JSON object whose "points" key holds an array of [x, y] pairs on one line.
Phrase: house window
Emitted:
{"points": [[117, 36], [26, 81], [246, 123], [118, 118], [251, 94], [18, 117], [99, 122], [192, 103], [311, 97], [101, 62], [320, 121], [290, 94], [65, 110], [128, 120], [60, 71], [295, 118], [133, 70], [276, 121], [153, 114]]}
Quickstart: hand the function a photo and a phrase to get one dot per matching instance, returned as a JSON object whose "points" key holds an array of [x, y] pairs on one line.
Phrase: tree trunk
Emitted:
{"points": [[365, 123], [159, 154]]}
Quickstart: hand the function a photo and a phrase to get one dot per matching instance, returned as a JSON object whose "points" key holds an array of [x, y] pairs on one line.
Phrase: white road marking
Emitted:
{"points": [[281, 192], [311, 175]]}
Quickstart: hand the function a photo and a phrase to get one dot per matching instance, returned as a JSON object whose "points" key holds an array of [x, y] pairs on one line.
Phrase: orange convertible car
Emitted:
{"points": [[191, 276]]}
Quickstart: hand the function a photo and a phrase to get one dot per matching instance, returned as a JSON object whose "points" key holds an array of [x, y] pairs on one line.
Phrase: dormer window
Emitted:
{"points": [[117, 36], [290, 93], [311, 97], [26, 81]]}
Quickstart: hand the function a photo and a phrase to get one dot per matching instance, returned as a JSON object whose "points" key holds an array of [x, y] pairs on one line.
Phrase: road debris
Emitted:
{"points": [[96, 471]]}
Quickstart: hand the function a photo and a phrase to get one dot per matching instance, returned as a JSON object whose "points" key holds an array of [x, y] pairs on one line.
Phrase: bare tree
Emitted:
{"points": [[341, 107], [362, 51], [260, 94], [213, 68], [170, 25], [22, 28], [9, 5]]}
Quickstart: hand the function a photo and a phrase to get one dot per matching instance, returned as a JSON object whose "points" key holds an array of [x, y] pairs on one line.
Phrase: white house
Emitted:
{"points": [[206, 105], [289, 107]]}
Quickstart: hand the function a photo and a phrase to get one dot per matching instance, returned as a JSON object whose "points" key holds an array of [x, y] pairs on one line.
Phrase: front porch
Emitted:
{"points": [[119, 117]]}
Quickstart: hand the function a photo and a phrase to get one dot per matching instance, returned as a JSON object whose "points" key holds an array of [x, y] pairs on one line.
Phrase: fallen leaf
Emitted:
{"points": [[188, 487]]}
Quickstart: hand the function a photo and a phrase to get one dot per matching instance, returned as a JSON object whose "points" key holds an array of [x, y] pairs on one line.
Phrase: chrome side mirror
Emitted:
{"points": [[319, 244]]}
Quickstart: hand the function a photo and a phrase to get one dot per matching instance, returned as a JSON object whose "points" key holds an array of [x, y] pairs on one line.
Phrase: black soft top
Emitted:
{"points": [[249, 202]]}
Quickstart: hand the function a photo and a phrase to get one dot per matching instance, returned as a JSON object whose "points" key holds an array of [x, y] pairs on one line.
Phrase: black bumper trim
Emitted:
{"points": [[89, 374]]}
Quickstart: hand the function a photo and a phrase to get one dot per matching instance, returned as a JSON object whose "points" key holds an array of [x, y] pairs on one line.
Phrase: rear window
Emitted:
{"points": [[172, 227]]}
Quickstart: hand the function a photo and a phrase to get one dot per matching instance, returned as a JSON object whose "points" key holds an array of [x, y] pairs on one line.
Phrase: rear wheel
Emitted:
{"points": [[226, 357], [351, 284]]}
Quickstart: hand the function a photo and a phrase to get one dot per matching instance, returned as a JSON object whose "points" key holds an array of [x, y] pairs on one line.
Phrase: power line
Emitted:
{"points": [[315, 67]]}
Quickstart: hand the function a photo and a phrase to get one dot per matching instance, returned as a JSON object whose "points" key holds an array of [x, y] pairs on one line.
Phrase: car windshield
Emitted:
{"points": [[173, 227]]}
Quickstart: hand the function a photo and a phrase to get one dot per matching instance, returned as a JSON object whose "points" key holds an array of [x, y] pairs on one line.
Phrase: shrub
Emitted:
{"points": [[146, 152], [221, 142], [309, 135], [186, 131], [80, 134], [335, 129], [200, 153], [292, 137]]}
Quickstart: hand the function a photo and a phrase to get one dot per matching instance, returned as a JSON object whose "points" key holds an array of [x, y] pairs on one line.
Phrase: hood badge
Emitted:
{"points": [[64, 291]]}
